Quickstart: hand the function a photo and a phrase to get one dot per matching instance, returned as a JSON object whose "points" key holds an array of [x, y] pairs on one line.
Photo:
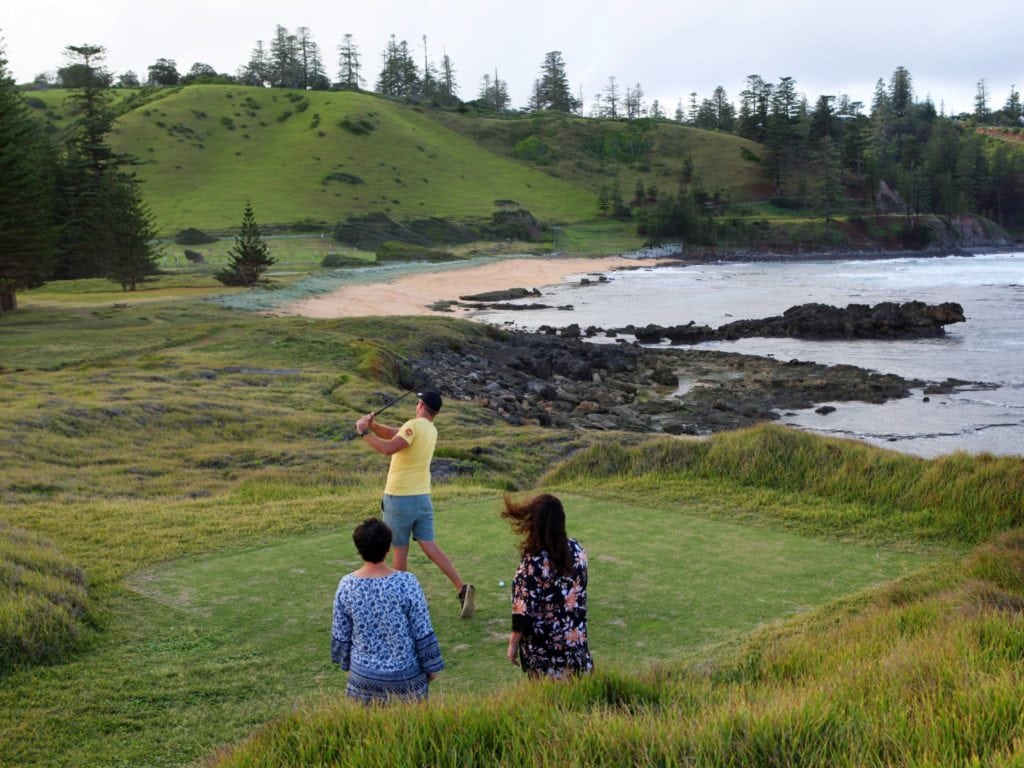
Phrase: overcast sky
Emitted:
{"points": [[670, 47]]}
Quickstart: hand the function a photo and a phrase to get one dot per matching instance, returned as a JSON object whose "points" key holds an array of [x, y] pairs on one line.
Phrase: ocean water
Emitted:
{"points": [[987, 348]]}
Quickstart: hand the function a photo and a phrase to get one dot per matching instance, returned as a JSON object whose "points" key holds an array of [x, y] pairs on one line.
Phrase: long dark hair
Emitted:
{"points": [[541, 523]]}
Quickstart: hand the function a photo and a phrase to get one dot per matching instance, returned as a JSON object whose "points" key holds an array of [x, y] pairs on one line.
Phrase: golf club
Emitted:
{"points": [[393, 401]]}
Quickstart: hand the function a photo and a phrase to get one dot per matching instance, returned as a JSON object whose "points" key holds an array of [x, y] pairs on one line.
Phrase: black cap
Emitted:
{"points": [[431, 399]]}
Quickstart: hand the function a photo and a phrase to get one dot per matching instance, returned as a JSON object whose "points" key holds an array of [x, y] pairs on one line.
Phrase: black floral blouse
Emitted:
{"points": [[551, 612]]}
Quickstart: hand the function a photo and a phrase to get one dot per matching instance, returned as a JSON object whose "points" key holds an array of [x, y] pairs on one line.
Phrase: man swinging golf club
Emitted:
{"points": [[407, 506]]}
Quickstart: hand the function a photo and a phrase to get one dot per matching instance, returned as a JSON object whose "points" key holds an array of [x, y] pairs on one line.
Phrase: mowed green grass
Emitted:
{"points": [[197, 652], [664, 584]]}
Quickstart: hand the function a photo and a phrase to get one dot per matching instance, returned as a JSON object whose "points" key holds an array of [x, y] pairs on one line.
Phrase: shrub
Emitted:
{"points": [[532, 148], [513, 224], [307, 225], [395, 251], [193, 236], [347, 178], [336, 260], [746, 154], [624, 146], [359, 127]]}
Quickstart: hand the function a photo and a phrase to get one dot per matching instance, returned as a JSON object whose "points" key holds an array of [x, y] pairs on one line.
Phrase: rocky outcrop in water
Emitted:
{"points": [[887, 320]]}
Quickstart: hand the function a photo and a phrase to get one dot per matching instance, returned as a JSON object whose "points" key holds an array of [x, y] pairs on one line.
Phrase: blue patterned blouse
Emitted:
{"points": [[381, 631]]}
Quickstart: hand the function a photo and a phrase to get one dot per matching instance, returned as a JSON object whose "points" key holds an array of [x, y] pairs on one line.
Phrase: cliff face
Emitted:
{"points": [[964, 232]]}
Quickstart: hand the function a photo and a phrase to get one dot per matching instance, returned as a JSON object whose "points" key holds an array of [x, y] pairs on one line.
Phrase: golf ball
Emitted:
{"points": [[501, 583]]}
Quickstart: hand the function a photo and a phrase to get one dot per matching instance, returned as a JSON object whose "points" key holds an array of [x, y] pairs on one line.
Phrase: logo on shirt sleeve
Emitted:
{"points": [[408, 432]]}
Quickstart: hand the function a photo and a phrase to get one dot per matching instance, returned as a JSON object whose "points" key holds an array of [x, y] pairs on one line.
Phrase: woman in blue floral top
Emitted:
{"points": [[381, 633], [549, 593]]}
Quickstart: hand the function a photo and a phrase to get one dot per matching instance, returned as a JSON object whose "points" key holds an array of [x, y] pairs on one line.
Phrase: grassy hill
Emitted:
{"points": [[321, 156], [590, 153], [316, 156]]}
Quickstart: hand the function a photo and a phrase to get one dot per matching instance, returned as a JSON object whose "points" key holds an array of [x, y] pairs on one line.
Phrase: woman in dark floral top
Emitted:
{"points": [[549, 592]]}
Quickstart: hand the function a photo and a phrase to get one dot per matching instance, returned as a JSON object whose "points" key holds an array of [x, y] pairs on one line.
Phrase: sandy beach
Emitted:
{"points": [[413, 294]]}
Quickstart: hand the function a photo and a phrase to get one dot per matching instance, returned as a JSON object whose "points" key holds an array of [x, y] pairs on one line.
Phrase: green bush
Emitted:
{"points": [[513, 224], [396, 251], [626, 146], [746, 154], [358, 127], [335, 260], [347, 178], [193, 236], [533, 149]]}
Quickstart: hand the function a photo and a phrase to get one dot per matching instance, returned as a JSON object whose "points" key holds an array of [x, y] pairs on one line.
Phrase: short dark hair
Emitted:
{"points": [[372, 538]]}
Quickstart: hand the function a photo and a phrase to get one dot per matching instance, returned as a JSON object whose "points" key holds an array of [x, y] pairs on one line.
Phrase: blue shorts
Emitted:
{"points": [[407, 515]]}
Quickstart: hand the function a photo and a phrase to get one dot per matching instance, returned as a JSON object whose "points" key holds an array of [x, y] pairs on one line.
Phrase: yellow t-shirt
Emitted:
{"points": [[409, 474]]}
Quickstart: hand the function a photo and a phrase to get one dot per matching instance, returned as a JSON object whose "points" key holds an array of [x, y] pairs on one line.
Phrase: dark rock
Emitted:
{"points": [[912, 319], [887, 320], [506, 295], [548, 379]]}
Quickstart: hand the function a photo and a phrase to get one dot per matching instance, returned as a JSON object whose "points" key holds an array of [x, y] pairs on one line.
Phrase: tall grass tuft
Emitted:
{"points": [[43, 600], [955, 498]]}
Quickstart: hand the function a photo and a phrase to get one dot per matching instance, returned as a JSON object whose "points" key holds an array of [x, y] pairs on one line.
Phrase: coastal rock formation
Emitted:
{"points": [[887, 320], [546, 379]]}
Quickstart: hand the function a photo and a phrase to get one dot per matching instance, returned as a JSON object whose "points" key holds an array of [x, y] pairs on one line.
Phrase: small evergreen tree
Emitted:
{"points": [[348, 65], [131, 253], [250, 256]]}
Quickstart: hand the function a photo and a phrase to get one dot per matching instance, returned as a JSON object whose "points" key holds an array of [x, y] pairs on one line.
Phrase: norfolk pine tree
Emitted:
{"points": [[27, 244], [131, 255], [552, 89], [250, 256], [106, 230]]}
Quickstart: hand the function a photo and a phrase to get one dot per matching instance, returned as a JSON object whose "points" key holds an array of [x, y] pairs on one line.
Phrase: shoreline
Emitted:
{"points": [[415, 294]]}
